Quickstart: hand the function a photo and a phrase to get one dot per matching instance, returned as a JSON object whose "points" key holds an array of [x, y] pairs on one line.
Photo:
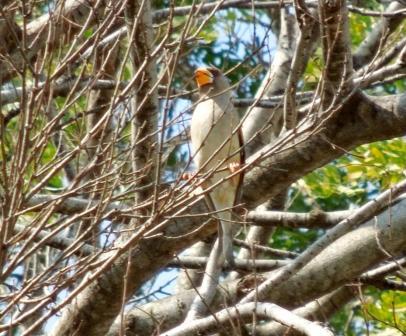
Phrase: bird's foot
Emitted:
{"points": [[188, 176], [192, 179], [234, 167]]}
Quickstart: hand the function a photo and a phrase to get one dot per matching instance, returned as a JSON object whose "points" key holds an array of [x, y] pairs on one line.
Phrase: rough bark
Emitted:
{"points": [[361, 119], [340, 263]]}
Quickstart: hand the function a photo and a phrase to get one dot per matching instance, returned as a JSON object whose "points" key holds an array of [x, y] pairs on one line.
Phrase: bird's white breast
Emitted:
{"points": [[213, 124]]}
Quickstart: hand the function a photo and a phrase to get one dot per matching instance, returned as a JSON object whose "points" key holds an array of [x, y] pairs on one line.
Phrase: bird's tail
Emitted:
{"points": [[226, 238], [225, 229]]}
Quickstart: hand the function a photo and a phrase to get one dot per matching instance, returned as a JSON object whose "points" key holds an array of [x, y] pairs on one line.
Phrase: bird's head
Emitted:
{"points": [[211, 79]]}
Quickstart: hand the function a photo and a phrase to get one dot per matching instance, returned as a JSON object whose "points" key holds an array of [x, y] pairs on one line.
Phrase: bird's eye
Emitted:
{"points": [[214, 71]]}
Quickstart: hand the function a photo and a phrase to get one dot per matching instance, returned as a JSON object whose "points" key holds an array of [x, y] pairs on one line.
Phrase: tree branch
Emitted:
{"points": [[397, 68], [245, 312], [260, 126], [336, 44], [69, 20], [320, 310], [377, 37], [89, 317], [308, 34], [264, 249], [205, 293], [362, 119], [311, 220], [359, 216], [192, 278], [240, 264], [353, 254]]}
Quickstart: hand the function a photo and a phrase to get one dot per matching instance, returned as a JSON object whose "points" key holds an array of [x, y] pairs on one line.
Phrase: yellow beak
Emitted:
{"points": [[203, 77]]}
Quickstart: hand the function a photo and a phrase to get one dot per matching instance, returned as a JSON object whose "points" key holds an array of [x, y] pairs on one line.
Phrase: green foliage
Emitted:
{"points": [[313, 71], [380, 313], [359, 26], [208, 36], [386, 310], [88, 32], [350, 181], [48, 157], [381, 163], [353, 178], [294, 240]]}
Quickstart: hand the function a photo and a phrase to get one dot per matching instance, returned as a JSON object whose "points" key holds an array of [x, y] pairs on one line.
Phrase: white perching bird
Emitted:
{"points": [[218, 150]]}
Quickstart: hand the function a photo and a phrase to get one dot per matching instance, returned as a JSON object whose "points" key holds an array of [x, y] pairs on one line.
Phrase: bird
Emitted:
{"points": [[218, 151]]}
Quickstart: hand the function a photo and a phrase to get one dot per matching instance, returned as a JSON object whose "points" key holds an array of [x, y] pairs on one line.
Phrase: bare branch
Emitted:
{"points": [[191, 278], [207, 290], [70, 19], [379, 34], [308, 34], [335, 39], [313, 219], [398, 68], [265, 249], [144, 109], [394, 14], [384, 269], [92, 205], [240, 264]]}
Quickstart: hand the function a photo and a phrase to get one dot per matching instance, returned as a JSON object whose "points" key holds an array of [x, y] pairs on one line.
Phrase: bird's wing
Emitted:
{"points": [[238, 194]]}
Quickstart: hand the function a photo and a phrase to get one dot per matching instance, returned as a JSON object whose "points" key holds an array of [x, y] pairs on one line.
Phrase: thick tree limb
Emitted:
{"points": [[245, 313], [362, 120], [319, 310], [313, 219], [207, 290], [359, 216], [352, 254]]}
